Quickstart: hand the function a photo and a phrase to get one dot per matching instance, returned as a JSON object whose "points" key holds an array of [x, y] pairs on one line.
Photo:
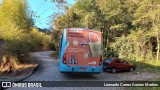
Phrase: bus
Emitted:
{"points": [[81, 51]]}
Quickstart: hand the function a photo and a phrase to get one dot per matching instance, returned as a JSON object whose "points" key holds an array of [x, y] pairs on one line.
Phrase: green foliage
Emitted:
{"points": [[56, 39], [139, 44], [130, 27], [55, 43], [19, 42], [134, 46], [16, 29], [107, 17], [14, 12], [147, 65], [39, 40]]}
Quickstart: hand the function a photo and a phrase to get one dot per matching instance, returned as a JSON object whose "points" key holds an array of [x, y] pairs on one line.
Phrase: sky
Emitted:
{"points": [[43, 9]]}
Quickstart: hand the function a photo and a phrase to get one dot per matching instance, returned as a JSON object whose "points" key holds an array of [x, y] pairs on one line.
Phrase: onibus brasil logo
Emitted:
{"points": [[23, 84]]}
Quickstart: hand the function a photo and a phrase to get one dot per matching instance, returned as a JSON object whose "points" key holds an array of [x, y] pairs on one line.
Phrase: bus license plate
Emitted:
{"points": [[83, 69], [72, 61]]}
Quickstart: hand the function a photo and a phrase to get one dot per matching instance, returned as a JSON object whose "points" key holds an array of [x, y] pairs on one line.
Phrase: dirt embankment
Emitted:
{"points": [[10, 67]]}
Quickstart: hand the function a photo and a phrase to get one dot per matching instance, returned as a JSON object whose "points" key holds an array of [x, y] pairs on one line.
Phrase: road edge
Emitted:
{"points": [[20, 78]]}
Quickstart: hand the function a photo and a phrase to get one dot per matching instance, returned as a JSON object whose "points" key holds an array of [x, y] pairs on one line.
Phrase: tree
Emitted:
{"points": [[16, 28], [148, 19], [15, 12], [129, 26]]}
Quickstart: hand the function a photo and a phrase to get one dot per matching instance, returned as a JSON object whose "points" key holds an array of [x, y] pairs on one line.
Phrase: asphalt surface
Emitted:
{"points": [[49, 71]]}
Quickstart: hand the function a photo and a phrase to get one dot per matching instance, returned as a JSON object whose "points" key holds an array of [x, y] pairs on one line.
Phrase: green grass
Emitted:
{"points": [[156, 79], [147, 65]]}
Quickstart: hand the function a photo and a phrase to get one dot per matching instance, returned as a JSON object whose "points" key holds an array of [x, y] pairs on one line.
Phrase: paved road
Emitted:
{"points": [[49, 71]]}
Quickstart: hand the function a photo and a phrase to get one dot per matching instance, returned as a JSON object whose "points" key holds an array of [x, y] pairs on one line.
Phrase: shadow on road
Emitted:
{"points": [[79, 76]]}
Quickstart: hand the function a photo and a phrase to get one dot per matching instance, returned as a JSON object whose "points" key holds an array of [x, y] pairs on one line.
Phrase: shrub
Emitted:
{"points": [[39, 40], [19, 42]]}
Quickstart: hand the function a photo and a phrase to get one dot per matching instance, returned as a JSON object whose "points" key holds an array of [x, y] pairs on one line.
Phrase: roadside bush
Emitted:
{"points": [[19, 42], [39, 40], [56, 35], [16, 29], [52, 45], [135, 46], [55, 44], [16, 40]]}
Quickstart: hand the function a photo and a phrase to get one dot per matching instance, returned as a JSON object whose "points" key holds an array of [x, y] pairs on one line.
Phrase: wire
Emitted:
{"points": [[42, 4], [48, 24], [41, 23], [45, 10], [45, 18]]}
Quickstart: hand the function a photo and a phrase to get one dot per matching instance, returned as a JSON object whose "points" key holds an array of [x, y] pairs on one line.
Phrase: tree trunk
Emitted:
{"points": [[107, 45], [2, 49], [158, 48]]}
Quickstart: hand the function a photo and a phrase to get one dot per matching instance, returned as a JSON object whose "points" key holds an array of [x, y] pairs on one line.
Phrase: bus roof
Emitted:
{"points": [[81, 29]]}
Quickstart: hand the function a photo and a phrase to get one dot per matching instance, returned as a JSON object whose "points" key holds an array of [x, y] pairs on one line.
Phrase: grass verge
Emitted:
{"points": [[147, 65], [152, 66]]}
